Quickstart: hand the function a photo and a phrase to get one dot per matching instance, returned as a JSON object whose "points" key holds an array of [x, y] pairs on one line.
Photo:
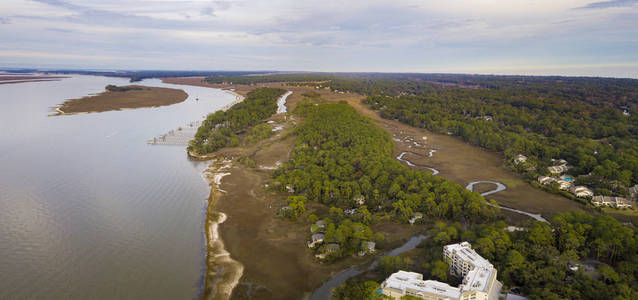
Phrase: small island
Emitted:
{"points": [[123, 97]]}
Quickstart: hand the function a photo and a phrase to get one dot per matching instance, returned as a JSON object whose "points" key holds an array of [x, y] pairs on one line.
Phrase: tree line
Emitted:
{"points": [[220, 129], [342, 158], [590, 122]]}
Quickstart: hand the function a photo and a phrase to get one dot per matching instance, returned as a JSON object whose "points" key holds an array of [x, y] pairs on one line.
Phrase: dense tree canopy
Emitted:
{"points": [[590, 122], [537, 260], [220, 128], [341, 155]]}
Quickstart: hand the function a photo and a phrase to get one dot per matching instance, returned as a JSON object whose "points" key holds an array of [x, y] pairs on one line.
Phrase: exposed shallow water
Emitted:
{"points": [[400, 158], [88, 210], [281, 102], [501, 187]]}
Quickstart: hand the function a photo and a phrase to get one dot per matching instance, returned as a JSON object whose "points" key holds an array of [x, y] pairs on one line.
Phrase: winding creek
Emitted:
{"points": [[502, 187], [281, 102], [409, 163], [88, 210], [499, 187]]}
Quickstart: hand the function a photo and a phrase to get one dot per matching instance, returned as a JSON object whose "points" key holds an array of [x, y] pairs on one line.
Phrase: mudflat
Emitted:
{"points": [[132, 96], [277, 264]]}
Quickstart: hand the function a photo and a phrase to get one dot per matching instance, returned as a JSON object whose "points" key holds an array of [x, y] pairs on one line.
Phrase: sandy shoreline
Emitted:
{"points": [[222, 271], [238, 98]]}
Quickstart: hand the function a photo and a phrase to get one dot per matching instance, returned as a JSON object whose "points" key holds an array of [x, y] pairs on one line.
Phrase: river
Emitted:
{"points": [[88, 210]]}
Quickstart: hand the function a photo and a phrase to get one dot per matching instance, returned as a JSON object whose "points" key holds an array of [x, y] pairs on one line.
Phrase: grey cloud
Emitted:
{"points": [[611, 3], [222, 5], [62, 4], [207, 11], [4, 21], [59, 30]]}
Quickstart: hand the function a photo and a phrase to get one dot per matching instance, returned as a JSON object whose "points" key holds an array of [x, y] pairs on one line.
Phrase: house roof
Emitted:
{"points": [[403, 280], [466, 253]]}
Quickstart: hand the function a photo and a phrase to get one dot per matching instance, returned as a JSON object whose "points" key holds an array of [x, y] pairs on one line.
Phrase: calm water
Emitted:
{"points": [[88, 210]]}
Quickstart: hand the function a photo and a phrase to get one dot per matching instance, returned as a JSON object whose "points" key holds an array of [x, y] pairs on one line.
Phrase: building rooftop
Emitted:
{"points": [[465, 252], [477, 279], [403, 280]]}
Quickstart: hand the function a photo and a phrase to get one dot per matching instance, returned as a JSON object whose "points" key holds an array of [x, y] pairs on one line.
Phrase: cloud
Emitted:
{"points": [[336, 35], [608, 4], [207, 11]]}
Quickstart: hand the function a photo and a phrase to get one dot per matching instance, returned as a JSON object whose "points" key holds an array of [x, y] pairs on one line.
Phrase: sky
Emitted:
{"points": [[537, 37]]}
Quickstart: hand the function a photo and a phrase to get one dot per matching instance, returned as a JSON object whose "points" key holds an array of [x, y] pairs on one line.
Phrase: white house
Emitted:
{"points": [[564, 184], [545, 179], [520, 159], [581, 191], [617, 202], [359, 200]]}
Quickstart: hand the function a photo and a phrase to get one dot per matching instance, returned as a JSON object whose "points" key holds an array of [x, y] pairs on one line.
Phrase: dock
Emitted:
{"points": [[180, 136]]}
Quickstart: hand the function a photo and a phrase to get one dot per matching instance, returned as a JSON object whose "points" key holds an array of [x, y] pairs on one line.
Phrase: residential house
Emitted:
{"points": [[317, 226], [633, 192], [328, 250], [560, 166], [617, 202], [520, 159], [367, 248], [350, 211], [563, 184], [316, 239], [581, 191], [623, 203], [545, 180], [558, 169]]}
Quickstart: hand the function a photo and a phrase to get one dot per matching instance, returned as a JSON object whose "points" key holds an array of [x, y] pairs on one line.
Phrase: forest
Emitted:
{"points": [[220, 129], [114, 88], [592, 123], [576, 256], [599, 141], [342, 160], [341, 155]]}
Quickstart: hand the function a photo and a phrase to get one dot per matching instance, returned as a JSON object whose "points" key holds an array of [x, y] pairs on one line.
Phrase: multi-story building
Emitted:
{"points": [[479, 279]]}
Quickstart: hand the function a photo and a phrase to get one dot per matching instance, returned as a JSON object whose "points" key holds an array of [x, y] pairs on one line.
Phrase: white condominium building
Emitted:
{"points": [[479, 279], [404, 283], [462, 258]]}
